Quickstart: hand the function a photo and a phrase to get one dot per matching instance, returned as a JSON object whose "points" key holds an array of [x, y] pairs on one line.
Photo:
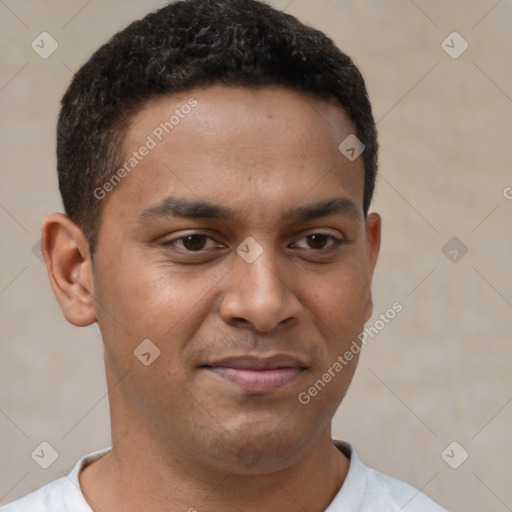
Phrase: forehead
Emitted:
{"points": [[228, 107], [238, 146]]}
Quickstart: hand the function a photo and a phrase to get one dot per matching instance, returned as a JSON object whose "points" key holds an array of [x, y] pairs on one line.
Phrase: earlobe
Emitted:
{"points": [[369, 309], [373, 238], [69, 267]]}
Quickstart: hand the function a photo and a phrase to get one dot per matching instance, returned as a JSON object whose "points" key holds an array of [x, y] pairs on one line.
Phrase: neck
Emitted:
{"points": [[138, 475]]}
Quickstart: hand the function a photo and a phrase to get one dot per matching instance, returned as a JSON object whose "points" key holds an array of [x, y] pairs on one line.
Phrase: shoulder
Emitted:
{"points": [[62, 495], [366, 490], [400, 494], [47, 498]]}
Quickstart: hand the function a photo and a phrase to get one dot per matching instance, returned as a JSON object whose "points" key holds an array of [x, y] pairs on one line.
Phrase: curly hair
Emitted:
{"points": [[184, 45]]}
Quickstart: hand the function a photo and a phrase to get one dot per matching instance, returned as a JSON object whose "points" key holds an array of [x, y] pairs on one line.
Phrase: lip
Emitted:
{"points": [[257, 374]]}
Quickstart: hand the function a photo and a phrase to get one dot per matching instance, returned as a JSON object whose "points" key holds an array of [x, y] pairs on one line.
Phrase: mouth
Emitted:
{"points": [[257, 374]]}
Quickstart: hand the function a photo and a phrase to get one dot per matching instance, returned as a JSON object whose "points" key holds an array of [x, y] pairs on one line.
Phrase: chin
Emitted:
{"points": [[257, 451]]}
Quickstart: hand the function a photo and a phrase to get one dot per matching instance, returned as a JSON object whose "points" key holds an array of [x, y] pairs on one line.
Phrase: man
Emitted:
{"points": [[217, 161]]}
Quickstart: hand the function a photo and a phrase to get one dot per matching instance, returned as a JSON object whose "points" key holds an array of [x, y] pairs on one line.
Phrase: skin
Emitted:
{"points": [[184, 438]]}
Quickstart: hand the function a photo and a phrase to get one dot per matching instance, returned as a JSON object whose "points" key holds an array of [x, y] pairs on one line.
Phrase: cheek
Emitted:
{"points": [[155, 302], [342, 302]]}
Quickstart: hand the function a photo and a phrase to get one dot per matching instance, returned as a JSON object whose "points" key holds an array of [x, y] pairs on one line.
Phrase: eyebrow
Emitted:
{"points": [[194, 209]]}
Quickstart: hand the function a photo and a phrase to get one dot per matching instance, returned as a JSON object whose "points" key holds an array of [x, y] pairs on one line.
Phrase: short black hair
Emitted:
{"points": [[184, 45]]}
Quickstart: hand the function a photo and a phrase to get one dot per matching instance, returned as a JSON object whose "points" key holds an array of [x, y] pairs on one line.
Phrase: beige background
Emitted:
{"points": [[439, 372]]}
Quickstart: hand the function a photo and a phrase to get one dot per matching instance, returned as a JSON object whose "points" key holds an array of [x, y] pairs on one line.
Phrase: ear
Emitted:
{"points": [[373, 238], [69, 267]]}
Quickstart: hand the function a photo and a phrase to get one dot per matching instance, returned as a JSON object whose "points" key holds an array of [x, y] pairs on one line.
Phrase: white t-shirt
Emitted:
{"points": [[364, 490]]}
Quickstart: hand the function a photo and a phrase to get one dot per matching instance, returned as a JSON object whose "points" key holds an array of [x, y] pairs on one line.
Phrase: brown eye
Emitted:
{"points": [[194, 242], [318, 241]]}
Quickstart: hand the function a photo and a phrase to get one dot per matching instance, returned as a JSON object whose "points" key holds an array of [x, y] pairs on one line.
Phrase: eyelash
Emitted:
{"points": [[335, 241]]}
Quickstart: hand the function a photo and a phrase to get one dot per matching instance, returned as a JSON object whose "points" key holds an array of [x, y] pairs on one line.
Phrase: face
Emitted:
{"points": [[237, 244]]}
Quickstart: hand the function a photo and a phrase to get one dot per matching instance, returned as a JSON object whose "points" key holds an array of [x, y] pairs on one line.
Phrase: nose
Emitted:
{"points": [[259, 295]]}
